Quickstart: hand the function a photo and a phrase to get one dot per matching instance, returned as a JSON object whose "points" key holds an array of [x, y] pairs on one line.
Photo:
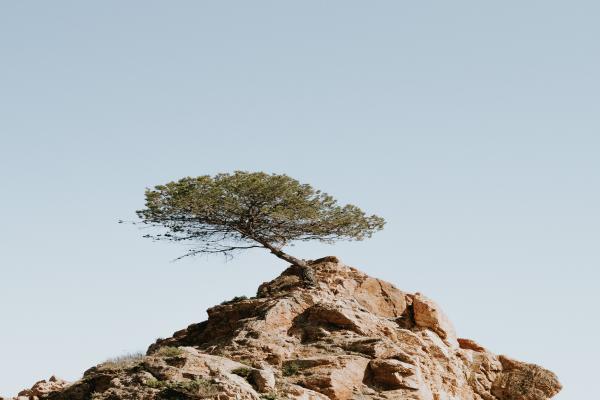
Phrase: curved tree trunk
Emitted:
{"points": [[307, 274], [284, 256]]}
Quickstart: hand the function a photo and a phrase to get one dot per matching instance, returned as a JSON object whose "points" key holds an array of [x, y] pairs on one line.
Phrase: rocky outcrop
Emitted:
{"points": [[351, 336], [43, 388], [521, 381]]}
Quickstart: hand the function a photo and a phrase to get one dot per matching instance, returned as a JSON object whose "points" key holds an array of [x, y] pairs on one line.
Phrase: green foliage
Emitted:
{"points": [[244, 372], [170, 389], [155, 383], [290, 369], [168, 351], [269, 396], [243, 210]]}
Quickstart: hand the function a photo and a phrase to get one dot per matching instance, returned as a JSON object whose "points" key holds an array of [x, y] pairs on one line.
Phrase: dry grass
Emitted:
{"points": [[168, 351], [123, 361]]}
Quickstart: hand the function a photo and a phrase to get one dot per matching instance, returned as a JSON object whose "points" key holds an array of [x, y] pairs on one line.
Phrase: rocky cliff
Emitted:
{"points": [[350, 337]]}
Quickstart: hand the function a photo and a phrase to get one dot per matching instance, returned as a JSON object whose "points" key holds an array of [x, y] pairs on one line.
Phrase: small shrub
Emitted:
{"points": [[243, 372], [155, 383], [234, 300], [170, 389], [290, 369], [208, 388], [269, 396], [197, 387], [168, 351]]}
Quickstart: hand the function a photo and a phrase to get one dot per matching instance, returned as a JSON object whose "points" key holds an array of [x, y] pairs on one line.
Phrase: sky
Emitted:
{"points": [[471, 126]]}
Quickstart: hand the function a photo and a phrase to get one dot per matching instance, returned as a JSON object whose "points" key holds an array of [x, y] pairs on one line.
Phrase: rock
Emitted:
{"points": [[481, 369], [350, 336], [470, 345], [336, 377], [380, 298], [522, 381], [44, 387], [295, 392], [264, 380], [392, 374], [428, 315], [378, 348]]}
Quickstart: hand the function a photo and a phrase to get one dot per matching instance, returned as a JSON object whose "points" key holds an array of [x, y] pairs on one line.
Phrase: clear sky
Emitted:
{"points": [[472, 127]]}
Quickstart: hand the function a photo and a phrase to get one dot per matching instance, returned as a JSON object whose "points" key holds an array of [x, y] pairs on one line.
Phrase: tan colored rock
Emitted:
{"points": [[336, 377], [295, 392], [380, 298], [522, 381], [428, 314], [393, 374], [436, 347], [378, 348], [349, 337], [44, 387], [264, 380], [481, 369], [469, 344]]}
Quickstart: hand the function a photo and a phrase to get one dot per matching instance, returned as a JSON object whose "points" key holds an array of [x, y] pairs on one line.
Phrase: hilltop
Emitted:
{"points": [[349, 337]]}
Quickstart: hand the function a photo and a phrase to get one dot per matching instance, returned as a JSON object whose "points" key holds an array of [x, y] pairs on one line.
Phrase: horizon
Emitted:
{"points": [[471, 128]]}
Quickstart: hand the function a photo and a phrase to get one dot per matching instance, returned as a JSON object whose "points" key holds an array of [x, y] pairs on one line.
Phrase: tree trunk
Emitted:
{"points": [[307, 274]]}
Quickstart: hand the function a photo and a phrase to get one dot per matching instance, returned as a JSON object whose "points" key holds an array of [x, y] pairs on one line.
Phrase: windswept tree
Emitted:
{"points": [[245, 210]]}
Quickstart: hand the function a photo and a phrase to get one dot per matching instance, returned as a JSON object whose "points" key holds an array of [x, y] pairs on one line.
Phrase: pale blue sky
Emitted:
{"points": [[472, 127]]}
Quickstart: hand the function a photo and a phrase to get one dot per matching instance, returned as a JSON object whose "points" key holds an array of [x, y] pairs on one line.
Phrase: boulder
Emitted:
{"points": [[336, 377], [264, 380], [429, 315], [469, 344], [380, 298], [522, 381], [392, 374], [44, 387]]}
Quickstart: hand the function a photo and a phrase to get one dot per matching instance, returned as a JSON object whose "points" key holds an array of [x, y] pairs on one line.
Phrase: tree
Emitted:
{"points": [[244, 210]]}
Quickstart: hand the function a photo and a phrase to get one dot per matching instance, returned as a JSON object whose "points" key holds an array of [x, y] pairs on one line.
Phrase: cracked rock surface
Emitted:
{"points": [[349, 337]]}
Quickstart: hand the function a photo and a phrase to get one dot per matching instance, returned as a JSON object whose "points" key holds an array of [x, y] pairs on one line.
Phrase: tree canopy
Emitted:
{"points": [[227, 212]]}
